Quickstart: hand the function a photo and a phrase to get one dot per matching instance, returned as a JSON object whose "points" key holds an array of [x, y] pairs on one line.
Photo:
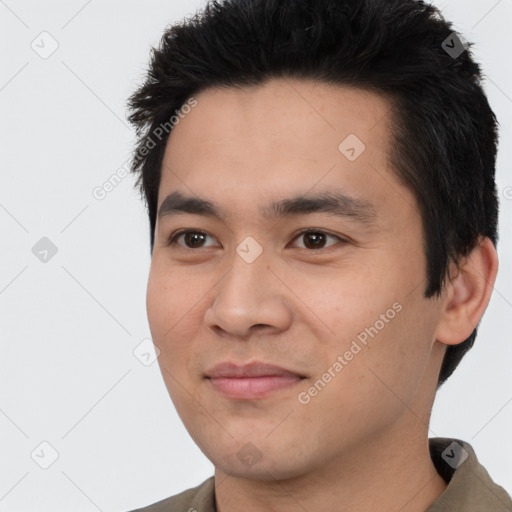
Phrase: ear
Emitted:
{"points": [[467, 293]]}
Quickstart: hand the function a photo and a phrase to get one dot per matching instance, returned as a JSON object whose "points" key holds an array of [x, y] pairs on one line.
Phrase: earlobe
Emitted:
{"points": [[467, 293]]}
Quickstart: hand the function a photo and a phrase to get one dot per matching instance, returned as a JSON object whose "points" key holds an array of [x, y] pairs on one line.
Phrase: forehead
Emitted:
{"points": [[284, 136], [285, 112]]}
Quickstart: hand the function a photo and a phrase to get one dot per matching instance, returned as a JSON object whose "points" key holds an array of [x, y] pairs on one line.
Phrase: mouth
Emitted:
{"points": [[251, 381]]}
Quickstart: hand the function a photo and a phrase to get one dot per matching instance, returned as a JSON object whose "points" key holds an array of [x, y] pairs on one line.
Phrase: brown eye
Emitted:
{"points": [[192, 239], [315, 239]]}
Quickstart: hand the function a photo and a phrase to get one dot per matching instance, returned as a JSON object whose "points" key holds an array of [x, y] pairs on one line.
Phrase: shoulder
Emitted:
{"points": [[196, 499], [469, 485]]}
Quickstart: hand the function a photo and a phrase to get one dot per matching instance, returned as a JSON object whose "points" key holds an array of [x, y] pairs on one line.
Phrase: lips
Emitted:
{"points": [[251, 381], [256, 369]]}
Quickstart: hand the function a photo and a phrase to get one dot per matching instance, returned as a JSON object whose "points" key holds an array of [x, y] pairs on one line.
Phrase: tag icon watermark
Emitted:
{"points": [[249, 454], [44, 455], [454, 45], [352, 147], [44, 250], [454, 455], [44, 45], [249, 249], [146, 352]]}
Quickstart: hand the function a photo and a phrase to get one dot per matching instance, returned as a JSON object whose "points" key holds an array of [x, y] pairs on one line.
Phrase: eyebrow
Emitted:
{"points": [[336, 203]]}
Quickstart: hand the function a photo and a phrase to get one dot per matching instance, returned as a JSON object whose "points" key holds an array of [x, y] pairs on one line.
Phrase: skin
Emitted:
{"points": [[362, 442]]}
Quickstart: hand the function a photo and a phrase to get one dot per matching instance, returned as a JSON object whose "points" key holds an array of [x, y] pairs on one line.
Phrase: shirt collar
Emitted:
{"points": [[470, 488]]}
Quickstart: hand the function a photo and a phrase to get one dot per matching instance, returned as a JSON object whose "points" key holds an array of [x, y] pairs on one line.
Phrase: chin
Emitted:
{"points": [[245, 460], [264, 470]]}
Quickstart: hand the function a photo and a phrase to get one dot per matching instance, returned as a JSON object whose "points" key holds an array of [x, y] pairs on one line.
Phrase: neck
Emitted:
{"points": [[395, 473]]}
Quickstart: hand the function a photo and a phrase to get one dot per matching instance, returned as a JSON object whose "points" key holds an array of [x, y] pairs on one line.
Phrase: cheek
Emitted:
{"points": [[377, 384], [343, 301], [168, 309], [171, 300], [383, 324], [396, 357]]}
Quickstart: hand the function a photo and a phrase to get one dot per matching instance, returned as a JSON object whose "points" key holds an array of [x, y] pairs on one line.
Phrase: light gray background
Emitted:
{"points": [[69, 326]]}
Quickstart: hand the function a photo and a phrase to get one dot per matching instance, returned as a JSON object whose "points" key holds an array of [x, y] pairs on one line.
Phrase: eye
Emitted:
{"points": [[193, 239], [315, 238]]}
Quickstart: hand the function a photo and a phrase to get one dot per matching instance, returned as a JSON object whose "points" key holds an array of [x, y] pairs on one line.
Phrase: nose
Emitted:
{"points": [[249, 298]]}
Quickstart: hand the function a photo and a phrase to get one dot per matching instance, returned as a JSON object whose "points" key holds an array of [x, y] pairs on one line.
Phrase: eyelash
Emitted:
{"points": [[173, 237]]}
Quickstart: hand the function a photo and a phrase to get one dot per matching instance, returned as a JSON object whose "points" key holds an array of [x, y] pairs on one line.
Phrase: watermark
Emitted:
{"points": [[304, 397], [507, 193], [44, 45], [249, 249], [101, 191], [352, 147], [44, 455], [146, 352], [44, 250], [454, 455], [454, 45], [249, 454]]}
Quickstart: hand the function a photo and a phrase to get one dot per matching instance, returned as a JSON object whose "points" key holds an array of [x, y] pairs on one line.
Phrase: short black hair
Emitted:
{"points": [[445, 133]]}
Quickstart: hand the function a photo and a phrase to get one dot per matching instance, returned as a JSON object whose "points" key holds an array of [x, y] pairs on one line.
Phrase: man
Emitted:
{"points": [[319, 177]]}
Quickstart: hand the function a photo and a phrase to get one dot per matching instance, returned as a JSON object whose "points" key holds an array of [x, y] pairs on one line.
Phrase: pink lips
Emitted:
{"points": [[254, 380]]}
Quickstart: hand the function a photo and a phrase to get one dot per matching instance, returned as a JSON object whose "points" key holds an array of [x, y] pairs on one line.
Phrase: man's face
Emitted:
{"points": [[341, 308]]}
